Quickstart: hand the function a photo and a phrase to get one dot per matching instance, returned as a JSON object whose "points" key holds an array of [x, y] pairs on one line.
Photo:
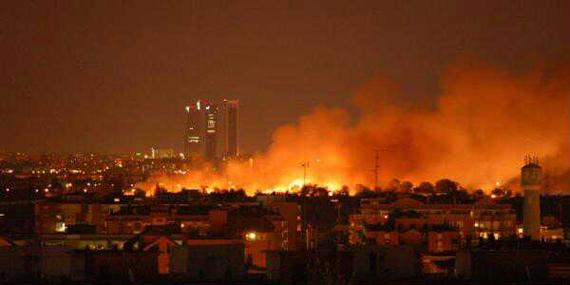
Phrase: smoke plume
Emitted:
{"points": [[476, 132]]}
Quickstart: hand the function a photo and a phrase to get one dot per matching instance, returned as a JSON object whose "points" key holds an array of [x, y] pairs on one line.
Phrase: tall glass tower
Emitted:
{"points": [[212, 131], [230, 128], [201, 130]]}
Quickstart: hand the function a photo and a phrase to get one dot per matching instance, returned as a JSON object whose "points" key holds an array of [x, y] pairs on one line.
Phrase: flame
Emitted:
{"points": [[476, 133]]}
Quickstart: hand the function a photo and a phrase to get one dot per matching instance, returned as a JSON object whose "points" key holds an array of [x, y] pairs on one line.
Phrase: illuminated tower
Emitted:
{"points": [[531, 183], [211, 135], [229, 129], [201, 130], [193, 138]]}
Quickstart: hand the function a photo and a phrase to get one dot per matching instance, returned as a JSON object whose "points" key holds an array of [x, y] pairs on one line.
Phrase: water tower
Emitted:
{"points": [[531, 183]]}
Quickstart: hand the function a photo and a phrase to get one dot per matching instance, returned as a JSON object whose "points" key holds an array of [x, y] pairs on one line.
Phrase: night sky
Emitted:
{"points": [[114, 76]]}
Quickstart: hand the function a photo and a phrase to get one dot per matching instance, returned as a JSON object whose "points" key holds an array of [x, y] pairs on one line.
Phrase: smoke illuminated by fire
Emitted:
{"points": [[477, 132]]}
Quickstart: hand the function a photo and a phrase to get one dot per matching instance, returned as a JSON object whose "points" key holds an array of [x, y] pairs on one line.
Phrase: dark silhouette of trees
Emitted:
{"points": [[479, 193], [424, 188], [446, 186], [394, 185], [406, 186]]}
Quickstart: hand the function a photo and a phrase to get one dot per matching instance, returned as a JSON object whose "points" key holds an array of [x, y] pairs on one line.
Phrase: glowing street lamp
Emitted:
{"points": [[251, 236]]}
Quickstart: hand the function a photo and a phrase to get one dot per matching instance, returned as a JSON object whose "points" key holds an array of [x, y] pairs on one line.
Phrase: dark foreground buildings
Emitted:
{"points": [[226, 237], [277, 239]]}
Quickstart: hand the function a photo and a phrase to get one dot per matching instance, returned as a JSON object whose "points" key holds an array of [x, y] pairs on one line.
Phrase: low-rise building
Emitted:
{"points": [[384, 262], [472, 221], [442, 238], [380, 234]]}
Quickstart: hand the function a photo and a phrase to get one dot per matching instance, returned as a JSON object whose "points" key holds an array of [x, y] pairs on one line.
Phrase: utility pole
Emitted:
{"points": [[376, 169], [305, 165]]}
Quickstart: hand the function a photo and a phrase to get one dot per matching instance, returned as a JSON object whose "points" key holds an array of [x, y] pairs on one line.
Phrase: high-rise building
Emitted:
{"points": [[531, 182], [201, 130], [212, 130], [211, 136], [229, 130]]}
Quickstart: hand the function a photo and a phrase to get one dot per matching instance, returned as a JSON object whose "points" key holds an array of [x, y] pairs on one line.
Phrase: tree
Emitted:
{"points": [[406, 186], [479, 193], [424, 188], [446, 186], [320, 192], [364, 192], [344, 191], [394, 185]]}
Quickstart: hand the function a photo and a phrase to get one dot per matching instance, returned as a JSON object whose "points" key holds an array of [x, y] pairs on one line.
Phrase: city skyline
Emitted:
{"points": [[93, 78], [87, 213], [285, 143]]}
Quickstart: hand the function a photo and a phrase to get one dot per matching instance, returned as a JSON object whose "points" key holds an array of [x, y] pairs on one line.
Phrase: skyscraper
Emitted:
{"points": [[193, 138], [201, 130], [230, 128], [207, 125], [211, 136]]}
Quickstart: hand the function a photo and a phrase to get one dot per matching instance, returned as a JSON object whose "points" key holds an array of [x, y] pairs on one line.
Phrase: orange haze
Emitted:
{"points": [[477, 133]]}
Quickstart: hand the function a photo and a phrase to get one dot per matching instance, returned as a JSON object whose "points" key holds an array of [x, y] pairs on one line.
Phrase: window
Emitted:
{"points": [[387, 238], [60, 227], [194, 139], [439, 245]]}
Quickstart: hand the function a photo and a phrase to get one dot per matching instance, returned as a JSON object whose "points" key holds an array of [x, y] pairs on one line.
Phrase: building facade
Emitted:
{"points": [[471, 221], [201, 130], [212, 130], [229, 129]]}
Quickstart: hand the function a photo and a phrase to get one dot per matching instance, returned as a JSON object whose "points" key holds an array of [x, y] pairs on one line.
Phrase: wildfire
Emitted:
{"points": [[485, 121]]}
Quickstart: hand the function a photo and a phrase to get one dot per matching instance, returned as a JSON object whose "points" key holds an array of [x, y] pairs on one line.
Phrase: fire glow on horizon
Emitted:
{"points": [[481, 126]]}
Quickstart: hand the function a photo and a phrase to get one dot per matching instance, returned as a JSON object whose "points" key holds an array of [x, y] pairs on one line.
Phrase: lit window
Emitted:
{"points": [[60, 227], [440, 246]]}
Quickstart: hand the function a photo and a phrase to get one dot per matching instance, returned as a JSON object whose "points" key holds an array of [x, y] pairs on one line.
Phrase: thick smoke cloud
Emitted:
{"points": [[476, 132]]}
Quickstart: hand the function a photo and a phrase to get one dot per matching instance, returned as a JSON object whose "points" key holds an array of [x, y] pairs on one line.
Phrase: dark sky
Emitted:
{"points": [[114, 76]]}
